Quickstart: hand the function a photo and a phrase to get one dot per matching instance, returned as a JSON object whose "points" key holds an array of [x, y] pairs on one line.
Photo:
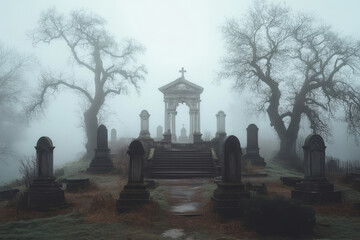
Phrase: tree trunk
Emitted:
{"points": [[91, 124]]}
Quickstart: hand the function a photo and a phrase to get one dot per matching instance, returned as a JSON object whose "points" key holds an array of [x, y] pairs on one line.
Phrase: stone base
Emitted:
{"points": [[9, 194], [102, 162], [73, 185], [291, 181], [45, 193], [316, 192], [255, 160], [228, 199], [132, 197]]}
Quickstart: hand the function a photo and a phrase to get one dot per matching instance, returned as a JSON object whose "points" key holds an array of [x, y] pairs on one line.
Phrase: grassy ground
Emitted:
{"points": [[92, 213]]}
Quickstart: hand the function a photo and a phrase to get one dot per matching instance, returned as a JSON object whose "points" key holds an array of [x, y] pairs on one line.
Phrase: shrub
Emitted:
{"points": [[278, 216], [27, 170]]}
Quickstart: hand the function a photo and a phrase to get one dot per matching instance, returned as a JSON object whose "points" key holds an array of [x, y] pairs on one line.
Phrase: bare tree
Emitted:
{"points": [[112, 65], [12, 66], [296, 68]]}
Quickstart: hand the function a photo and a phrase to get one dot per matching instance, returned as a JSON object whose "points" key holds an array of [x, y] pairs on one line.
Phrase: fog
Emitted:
{"points": [[175, 34]]}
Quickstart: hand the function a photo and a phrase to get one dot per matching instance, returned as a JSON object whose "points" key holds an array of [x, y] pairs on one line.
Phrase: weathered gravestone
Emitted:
{"points": [[102, 162], [144, 124], [315, 188], [230, 192], [44, 192], [218, 141], [252, 149], [159, 133], [113, 136], [135, 192]]}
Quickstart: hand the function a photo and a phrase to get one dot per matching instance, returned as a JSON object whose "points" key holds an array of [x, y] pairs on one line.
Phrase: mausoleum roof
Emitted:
{"points": [[181, 85]]}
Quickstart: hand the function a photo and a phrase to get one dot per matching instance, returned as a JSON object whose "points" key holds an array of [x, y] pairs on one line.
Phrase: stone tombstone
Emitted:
{"points": [[159, 133], [232, 160], [144, 124], [252, 149], [136, 152], [229, 196], [44, 158], [314, 157], [252, 138], [183, 138], [135, 192], [44, 192], [102, 137], [315, 189], [220, 123], [101, 163], [113, 137]]}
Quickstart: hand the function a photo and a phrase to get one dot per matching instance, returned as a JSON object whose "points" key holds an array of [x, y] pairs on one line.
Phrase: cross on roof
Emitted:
{"points": [[182, 71]]}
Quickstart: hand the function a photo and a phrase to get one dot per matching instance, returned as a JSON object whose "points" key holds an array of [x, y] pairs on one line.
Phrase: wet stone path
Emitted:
{"points": [[183, 195]]}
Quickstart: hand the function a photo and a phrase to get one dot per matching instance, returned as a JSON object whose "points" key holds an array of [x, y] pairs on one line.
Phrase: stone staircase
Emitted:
{"points": [[184, 162]]}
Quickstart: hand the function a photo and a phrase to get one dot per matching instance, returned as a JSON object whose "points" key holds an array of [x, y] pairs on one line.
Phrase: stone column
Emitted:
{"points": [[198, 119], [192, 129], [167, 118], [173, 125]]}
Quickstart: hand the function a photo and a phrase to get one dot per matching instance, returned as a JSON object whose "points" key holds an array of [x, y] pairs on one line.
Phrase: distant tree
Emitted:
{"points": [[12, 66], [296, 68], [112, 65]]}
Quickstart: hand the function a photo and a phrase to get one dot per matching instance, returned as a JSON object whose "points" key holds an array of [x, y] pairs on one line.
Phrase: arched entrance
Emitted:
{"points": [[182, 91]]}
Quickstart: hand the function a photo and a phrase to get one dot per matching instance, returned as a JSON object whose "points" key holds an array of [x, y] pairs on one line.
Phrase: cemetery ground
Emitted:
{"points": [[179, 209]]}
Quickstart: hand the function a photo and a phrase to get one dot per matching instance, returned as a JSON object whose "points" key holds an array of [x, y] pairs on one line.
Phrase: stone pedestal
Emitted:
{"points": [[167, 136], [45, 193], [228, 198], [316, 192], [133, 196], [197, 137], [102, 162]]}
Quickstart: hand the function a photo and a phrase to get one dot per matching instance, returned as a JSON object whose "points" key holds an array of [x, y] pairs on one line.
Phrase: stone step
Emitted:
{"points": [[180, 174]]}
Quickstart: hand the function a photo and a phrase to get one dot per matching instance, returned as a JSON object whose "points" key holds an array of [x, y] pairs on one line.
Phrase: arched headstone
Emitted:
{"points": [[113, 137], [44, 192], [102, 137], [314, 157], [232, 160], [144, 124], [315, 188], [136, 152], [44, 158], [230, 193]]}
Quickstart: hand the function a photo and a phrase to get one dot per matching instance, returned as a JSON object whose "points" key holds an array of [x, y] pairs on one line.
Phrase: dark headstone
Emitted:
{"points": [[44, 191], [252, 149], [135, 193], [102, 162], [230, 192], [315, 188]]}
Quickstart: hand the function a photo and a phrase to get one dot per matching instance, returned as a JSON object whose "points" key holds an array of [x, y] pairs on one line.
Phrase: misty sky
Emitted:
{"points": [[176, 34]]}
